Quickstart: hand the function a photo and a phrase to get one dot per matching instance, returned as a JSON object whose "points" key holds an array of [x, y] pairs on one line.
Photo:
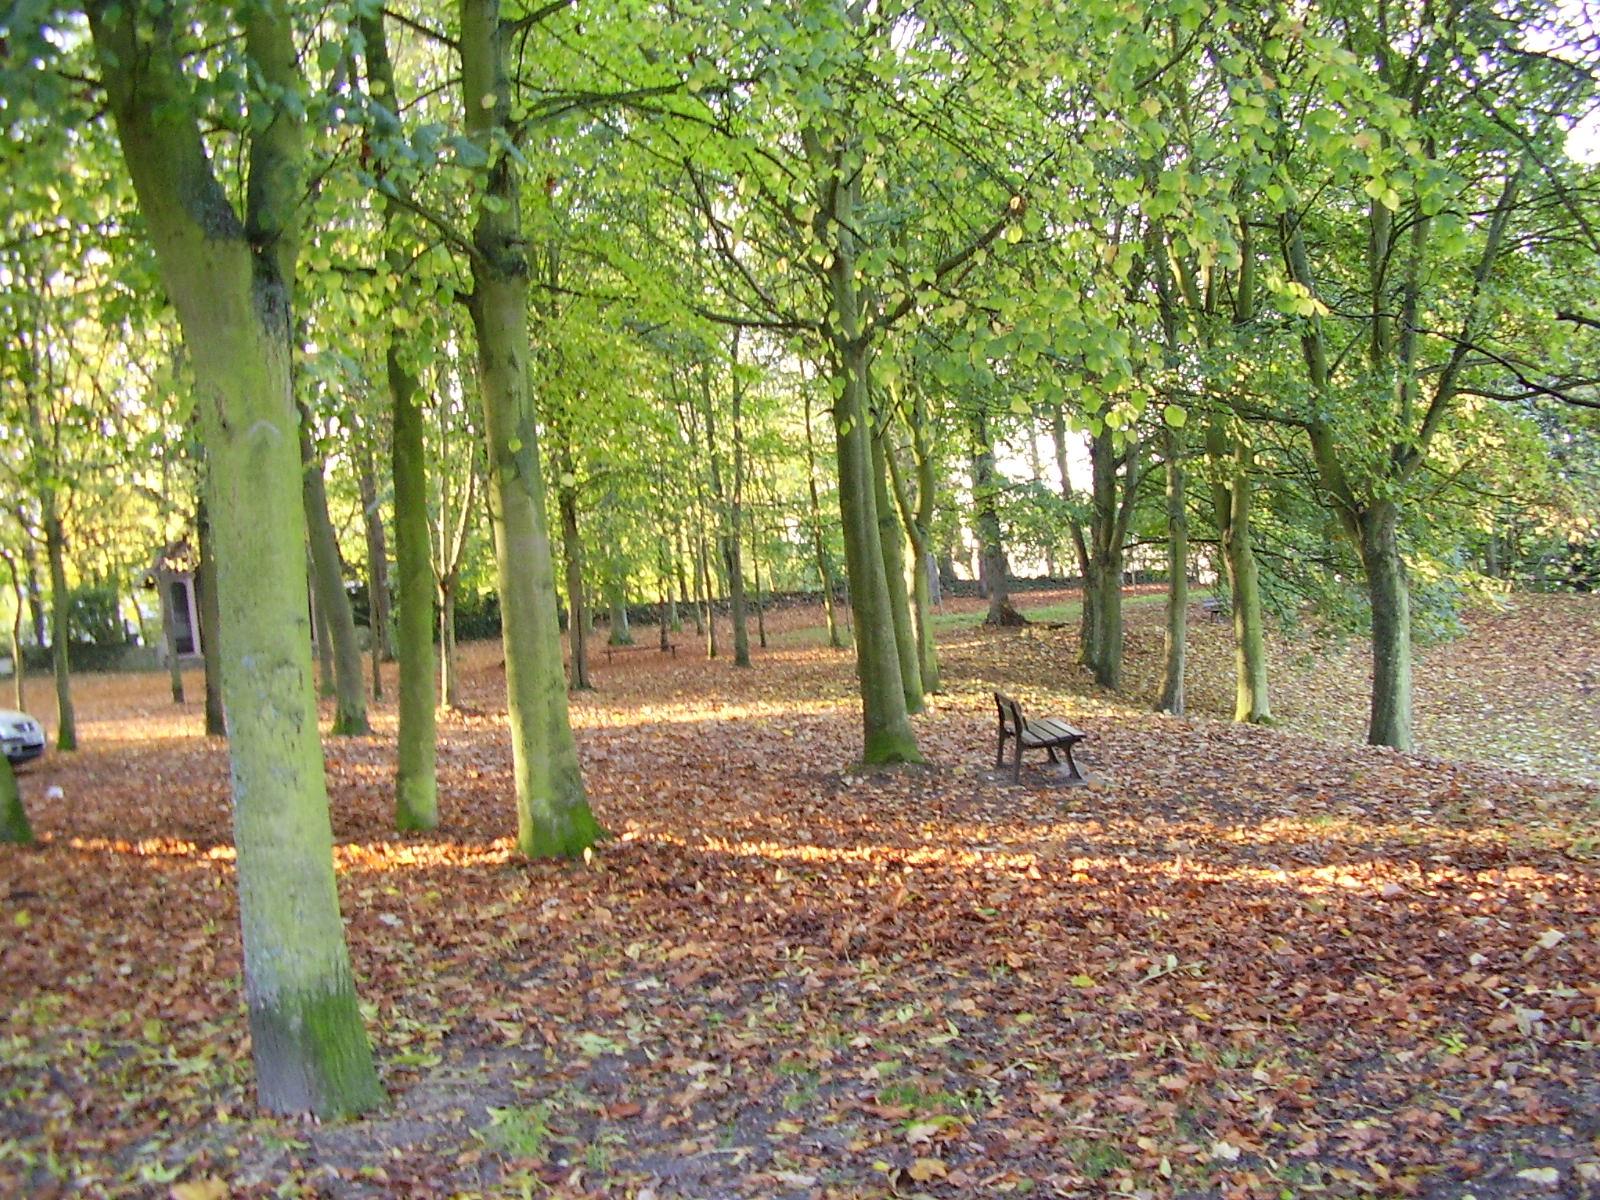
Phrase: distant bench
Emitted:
{"points": [[1049, 734], [670, 648], [1216, 608]]}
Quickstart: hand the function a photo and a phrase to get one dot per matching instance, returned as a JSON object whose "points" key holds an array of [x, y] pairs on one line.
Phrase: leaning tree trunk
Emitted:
{"points": [[210, 623], [333, 602], [230, 281], [60, 625], [14, 827], [553, 814], [1389, 722], [1175, 641]]}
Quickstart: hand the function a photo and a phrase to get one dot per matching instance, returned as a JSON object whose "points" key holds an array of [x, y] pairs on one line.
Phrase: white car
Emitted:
{"points": [[21, 735]]}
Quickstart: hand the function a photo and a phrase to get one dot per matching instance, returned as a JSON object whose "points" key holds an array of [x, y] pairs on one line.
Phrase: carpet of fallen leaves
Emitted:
{"points": [[1243, 963]]}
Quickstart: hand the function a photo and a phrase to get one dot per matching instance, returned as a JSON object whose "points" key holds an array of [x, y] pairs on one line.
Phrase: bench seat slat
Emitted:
{"points": [[1050, 729]]}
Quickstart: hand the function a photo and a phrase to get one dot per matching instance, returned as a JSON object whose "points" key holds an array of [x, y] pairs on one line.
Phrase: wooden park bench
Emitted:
{"points": [[1049, 734], [1216, 608], [670, 648]]}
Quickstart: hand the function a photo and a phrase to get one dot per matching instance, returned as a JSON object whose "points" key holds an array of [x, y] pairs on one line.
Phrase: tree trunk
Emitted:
{"points": [[621, 633], [1389, 723], [14, 827], [729, 507], [326, 687], [377, 563], [36, 611], [891, 537], [681, 594], [553, 814], [60, 626], [1058, 437], [755, 572], [333, 602], [1233, 499], [887, 736], [1102, 594], [416, 787], [230, 282], [690, 597], [577, 603], [169, 635], [824, 573], [210, 620], [986, 521], [1175, 642], [449, 677], [19, 665]]}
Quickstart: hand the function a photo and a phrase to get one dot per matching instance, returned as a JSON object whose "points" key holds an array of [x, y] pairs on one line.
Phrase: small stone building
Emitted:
{"points": [[172, 577]]}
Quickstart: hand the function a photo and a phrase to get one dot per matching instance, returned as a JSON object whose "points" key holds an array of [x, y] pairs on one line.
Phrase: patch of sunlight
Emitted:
{"points": [[354, 858]]}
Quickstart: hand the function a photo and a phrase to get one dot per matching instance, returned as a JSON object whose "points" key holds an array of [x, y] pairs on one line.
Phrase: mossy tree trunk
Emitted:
{"points": [[416, 786], [333, 602], [14, 827], [553, 814], [231, 282], [887, 736]]}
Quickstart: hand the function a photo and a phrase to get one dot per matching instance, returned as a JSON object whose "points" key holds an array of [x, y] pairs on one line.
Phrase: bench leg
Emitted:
{"points": [[1016, 764], [1000, 752], [1072, 767]]}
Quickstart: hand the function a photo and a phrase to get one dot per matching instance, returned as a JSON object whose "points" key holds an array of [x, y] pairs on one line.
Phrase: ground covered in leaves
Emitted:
{"points": [[1244, 963]]}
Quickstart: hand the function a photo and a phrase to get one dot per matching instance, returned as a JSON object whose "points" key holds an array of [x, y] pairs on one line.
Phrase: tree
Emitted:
{"points": [[14, 827], [553, 815], [231, 277]]}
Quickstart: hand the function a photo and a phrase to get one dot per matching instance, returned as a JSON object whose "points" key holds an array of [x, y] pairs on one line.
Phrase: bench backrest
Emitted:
{"points": [[1009, 709]]}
